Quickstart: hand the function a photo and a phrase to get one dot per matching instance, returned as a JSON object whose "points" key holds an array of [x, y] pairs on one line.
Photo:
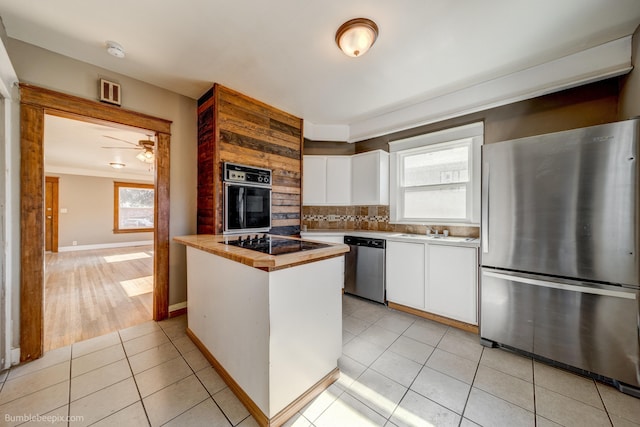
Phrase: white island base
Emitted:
{"points": [[274, 336]]}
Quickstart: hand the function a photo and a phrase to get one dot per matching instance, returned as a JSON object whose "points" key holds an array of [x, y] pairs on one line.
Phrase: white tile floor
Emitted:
{"points": [[396, 370]]}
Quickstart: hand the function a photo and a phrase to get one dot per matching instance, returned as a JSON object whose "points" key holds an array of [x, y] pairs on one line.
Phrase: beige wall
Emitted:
{"points": [[88, 220], [57, 72], [630, 88]]}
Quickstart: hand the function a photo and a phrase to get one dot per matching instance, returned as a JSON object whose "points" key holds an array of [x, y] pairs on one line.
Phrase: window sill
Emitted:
{"points": [[134, 230]]}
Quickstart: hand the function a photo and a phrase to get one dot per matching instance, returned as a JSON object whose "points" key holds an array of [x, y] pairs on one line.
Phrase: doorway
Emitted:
{"points": [[35, 102], [101, 279], [51, 214]]}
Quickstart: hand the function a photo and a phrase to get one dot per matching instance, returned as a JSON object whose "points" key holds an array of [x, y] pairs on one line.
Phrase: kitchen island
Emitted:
{"points": [[271, 325]]}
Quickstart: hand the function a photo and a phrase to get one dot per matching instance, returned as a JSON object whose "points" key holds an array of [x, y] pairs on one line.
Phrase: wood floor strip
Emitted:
{"points": [[95, 292]]}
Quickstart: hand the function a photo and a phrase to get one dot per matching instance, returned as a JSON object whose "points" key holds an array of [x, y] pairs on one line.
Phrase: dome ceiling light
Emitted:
{"points": [[356, 36]]}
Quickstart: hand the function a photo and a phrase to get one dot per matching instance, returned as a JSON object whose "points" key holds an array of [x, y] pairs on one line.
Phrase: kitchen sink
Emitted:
{"points": [[451, 239], [435, 237]]}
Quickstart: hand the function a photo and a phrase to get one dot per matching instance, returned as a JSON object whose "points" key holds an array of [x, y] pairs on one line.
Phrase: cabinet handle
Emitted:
{"points": [[563, 286], [485, 208]]}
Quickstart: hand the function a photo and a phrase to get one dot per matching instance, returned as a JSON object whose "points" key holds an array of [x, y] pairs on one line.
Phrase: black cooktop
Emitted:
{"points": [[272, 245]]}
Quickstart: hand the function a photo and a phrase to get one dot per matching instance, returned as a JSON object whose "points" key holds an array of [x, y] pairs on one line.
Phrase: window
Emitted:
{"points": [[133, 207], [435, 178]]}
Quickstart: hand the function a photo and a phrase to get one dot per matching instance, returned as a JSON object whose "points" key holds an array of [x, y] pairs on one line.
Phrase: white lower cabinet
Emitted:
{"points": [[452, 282], [436, 278], [406, 273]]}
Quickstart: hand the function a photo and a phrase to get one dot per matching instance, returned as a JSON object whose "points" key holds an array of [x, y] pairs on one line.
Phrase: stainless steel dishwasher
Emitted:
{"points": [[364, 268]]}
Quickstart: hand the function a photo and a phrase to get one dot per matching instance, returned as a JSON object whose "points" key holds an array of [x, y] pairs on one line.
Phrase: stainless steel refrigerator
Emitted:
{"points": [[560, 240]]}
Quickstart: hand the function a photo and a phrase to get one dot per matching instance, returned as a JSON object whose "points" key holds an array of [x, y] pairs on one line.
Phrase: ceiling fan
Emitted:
{"points": [[145, 145]]}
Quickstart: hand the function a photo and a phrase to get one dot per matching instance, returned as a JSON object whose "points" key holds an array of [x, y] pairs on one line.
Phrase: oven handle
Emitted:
{"points": [[241, 208]]}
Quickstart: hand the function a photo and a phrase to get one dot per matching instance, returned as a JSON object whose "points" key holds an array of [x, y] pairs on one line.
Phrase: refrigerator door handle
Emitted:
{"points": [[485, 208], [630, 294]]}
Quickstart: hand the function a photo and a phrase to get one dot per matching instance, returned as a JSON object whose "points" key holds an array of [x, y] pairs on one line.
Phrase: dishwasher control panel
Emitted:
{"points": [[365, 241]]}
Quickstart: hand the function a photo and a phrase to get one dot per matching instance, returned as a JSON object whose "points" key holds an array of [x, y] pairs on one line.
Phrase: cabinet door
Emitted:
{"points": [[370, 178], [405, 273], [452, 282], [338, 180], [314, 182]]}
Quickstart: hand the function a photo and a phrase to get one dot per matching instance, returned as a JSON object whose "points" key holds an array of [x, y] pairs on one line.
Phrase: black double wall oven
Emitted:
{"points": [[247, 199]]}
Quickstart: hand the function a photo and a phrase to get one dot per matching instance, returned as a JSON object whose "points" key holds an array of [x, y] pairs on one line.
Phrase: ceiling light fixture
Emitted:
{"points": [[146, 156], [117, 165], [115, 49], [356, 36]]}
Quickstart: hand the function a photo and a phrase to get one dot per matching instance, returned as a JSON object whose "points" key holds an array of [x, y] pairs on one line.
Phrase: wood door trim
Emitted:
{"points": [[54, 212], [35, 102], [70, 106]]}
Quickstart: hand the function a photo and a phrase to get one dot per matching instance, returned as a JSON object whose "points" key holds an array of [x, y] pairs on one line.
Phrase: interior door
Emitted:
{"points": [[51, 214]]}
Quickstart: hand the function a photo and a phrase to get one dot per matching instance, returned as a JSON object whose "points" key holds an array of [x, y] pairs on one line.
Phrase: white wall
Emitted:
{"points": [[57, 72], [9, 202], [88, 220]]}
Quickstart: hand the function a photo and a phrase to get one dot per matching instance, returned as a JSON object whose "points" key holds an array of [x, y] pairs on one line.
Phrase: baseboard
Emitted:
{"points": [[104, 246], [263, 421], [436, 318], [248, 403], [178, 309], [15, 356]]}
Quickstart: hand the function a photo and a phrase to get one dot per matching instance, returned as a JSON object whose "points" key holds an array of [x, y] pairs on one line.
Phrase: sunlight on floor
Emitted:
{"points": [[371, 399], [138, 286], [126, 257]]}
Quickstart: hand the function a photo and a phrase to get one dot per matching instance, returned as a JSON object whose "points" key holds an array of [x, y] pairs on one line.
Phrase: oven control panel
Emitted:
{"points": [[242, 174]]}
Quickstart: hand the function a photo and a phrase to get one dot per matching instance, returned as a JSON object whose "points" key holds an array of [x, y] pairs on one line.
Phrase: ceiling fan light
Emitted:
{"points": [[355, 37], [146, 156]]}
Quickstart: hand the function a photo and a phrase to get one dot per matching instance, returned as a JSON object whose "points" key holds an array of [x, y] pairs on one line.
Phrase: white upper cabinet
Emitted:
{"points": [[361, 179], [314, 180], [338, 180], [326, 180], [370, 178]]}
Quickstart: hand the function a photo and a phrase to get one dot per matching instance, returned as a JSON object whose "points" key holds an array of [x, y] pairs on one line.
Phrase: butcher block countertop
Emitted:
{"points": [[214, 244]]}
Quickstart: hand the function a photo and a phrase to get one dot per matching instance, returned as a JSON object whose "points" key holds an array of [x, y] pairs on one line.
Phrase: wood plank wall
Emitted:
{"points": [[235, 128]]}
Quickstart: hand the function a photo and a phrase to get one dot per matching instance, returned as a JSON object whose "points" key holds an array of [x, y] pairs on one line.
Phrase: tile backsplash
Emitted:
{"points": [[373, 218]]}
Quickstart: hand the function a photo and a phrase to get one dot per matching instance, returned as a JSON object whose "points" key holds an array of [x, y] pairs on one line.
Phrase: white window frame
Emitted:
{"points": [[471, 135]]}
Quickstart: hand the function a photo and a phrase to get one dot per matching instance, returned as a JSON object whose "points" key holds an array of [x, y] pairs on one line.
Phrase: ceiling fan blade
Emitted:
{"points": [[118, 139]]}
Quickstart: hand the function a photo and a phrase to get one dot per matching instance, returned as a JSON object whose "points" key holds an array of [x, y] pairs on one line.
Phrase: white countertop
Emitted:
{"points": [[397, 237]]}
